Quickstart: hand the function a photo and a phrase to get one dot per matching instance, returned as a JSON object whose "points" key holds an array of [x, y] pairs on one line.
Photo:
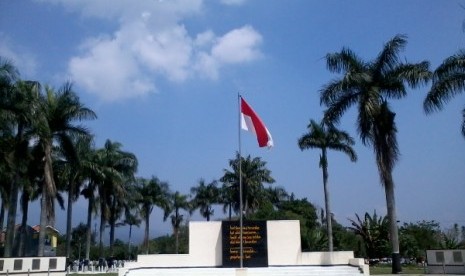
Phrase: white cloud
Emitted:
{"points": [[237, 46], [167, 52], [107, 70], [151, 42]]}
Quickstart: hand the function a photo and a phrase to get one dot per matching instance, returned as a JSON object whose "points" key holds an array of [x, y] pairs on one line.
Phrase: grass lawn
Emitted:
{"points": [[386, 269]]}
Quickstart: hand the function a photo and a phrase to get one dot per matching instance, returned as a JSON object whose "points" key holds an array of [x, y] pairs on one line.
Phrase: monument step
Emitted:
{"points": [[258, 271]]}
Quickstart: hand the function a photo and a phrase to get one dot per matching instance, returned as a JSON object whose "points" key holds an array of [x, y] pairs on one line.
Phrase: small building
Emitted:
{"points": [[32, 240]]}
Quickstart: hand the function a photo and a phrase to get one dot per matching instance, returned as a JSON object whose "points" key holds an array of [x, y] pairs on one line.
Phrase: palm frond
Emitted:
{"points": [[388, 58], [443, 90]]}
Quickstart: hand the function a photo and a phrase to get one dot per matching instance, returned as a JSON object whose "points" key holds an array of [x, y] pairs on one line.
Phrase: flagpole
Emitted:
{"points": [[240, 187]]}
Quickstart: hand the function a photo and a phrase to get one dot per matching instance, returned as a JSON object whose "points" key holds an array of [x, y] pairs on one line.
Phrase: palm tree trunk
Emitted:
{"points": [[43, 225], [146, 234], [230, 210], [394, 234], [102, 228], [89, 222], [129, 242], [176, 236], [329, 228], [22, 237], [2, 214], [48, 192], [69, 217], [11, 218], [14, 191], [112, 224]]}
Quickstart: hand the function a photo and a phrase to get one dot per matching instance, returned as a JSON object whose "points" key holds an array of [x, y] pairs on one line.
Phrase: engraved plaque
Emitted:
{"points": [[255, 249]]}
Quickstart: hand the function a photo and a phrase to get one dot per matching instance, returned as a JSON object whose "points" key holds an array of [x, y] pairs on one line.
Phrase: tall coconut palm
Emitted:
{"points": [[153, 192], [132, 218], [58, 112], [96, 173], [178, 202], [370, 85], [19, 103], [118, 168], [205, 196], [73, 168], [448, 81], [254, 174], [8, 76], [325, 136]]}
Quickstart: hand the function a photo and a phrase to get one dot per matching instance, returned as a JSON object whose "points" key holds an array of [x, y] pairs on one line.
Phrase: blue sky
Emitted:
{"points": [[163, 77]]}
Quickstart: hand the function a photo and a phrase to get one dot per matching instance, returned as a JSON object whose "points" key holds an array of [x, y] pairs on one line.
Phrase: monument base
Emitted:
{"points": [[206, 252]]}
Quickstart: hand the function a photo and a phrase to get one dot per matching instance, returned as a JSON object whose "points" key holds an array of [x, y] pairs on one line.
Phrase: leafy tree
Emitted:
{"points": [[416, 238], [346, 240], [78, 240], [325, 136], [205, 196], [254, 174], [294, 209], [167, 244], [451, 238], [370, 85], [374, 232], [448, 81]]}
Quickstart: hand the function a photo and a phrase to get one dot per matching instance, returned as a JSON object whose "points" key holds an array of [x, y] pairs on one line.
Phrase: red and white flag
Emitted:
{"points": [[251, 122]]}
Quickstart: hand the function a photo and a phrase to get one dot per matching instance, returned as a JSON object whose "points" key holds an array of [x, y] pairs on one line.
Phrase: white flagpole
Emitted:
{"points": [[240, 188]]}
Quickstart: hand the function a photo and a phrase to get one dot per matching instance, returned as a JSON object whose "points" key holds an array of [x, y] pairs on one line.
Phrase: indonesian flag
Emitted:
{"points": [[251, 122]]}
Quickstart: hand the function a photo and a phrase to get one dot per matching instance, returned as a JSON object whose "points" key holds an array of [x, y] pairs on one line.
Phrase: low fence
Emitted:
{"points": [[39, 266]]}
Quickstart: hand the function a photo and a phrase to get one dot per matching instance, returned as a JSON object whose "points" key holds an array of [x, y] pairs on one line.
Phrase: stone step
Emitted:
{"points": [[260, 271]]}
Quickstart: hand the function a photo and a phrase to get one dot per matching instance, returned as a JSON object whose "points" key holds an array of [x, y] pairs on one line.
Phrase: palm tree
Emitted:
{"points": [[227, 198], [152, 193], [276, 195], [178, 202], [74, 165], [205, 195], [8, 76], [254, 174], [57, 113], [117, 169], [370, 85], [448, 81], [18, 105], [131, 219], [326, 136], [96, 173]]}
